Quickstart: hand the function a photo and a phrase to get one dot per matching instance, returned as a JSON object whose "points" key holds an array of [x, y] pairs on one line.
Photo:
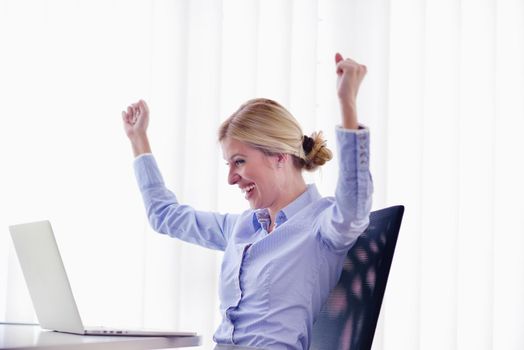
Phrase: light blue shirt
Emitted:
{"points": [[272, 286]]}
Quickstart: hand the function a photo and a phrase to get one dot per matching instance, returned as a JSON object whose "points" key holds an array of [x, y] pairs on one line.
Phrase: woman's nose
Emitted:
{"points": [[233, 177]]}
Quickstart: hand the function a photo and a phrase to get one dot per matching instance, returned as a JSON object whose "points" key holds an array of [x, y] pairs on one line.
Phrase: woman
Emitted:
{"points": [[284, 255]]}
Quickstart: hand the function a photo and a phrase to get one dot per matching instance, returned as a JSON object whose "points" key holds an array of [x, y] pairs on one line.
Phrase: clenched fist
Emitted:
{"points": [[349, 76], [136, 120]]}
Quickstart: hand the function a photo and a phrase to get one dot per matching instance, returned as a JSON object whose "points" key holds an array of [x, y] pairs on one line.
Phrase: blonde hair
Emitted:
{"points": [[267, 126]]}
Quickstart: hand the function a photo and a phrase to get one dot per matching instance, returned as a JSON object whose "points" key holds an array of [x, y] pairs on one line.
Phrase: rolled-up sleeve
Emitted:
{"points": [[348, 216], [167, 216]]}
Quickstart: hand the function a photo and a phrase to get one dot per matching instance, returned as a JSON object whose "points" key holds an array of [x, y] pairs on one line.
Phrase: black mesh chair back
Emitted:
{"points": [[349, 317]]}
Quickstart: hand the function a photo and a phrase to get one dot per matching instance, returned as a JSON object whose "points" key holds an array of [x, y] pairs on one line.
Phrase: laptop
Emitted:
{"points": [[49, 287]]}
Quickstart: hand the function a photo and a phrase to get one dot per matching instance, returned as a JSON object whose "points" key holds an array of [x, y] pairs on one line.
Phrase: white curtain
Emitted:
{"points": [[444, 98]]}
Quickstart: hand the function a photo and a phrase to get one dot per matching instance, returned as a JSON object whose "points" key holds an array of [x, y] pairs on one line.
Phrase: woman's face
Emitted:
{"points": [[255, 173]]}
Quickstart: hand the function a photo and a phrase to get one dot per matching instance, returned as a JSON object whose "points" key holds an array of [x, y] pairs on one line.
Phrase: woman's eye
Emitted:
{"points": [[239, 162]]}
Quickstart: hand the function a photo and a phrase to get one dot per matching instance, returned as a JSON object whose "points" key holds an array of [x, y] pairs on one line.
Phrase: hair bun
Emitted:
{"points": [[307, 144], [318, 154]]}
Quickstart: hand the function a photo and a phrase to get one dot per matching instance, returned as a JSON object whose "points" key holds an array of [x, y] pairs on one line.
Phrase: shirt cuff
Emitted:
{"points": [[146, 171], [143, 155], [361, 129], [353, 147]]}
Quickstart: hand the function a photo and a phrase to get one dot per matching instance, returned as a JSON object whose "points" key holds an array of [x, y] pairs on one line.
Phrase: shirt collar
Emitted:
{"points": [[261, 217]]}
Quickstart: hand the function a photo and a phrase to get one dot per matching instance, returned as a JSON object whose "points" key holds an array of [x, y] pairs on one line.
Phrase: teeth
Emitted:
{"points": [[248, 188]]}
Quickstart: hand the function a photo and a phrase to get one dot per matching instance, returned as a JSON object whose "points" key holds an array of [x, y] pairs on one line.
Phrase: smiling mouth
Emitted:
{"points": [[247, 190]]}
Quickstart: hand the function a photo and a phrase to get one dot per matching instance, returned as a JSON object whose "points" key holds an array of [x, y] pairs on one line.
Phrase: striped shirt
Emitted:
{"points": [[272, 286]]}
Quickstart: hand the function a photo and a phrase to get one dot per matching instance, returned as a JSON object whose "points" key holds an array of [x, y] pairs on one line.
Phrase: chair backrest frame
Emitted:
{"points": [[350, 316]]}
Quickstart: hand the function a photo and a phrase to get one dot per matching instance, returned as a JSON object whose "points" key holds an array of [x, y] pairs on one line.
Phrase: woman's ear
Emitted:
{"points": [[281, 159]]}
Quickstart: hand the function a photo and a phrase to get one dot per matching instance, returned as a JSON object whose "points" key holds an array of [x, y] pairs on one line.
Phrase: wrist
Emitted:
{"points": [[349, 114], [347, 103], [140, 145]]}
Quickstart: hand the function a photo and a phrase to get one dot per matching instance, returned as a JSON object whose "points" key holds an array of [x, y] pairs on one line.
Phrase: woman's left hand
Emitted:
{"points": [[350, 75]]}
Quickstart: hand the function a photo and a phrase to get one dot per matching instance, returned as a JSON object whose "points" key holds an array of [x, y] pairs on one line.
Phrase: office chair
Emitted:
{"points": [[349, 318]]}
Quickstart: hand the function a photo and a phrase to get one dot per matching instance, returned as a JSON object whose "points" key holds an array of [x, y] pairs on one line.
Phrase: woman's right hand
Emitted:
{"points": [[136, 120]]}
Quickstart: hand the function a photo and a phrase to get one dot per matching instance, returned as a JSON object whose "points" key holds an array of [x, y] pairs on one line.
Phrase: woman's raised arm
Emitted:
{"points": [[350, 75]]}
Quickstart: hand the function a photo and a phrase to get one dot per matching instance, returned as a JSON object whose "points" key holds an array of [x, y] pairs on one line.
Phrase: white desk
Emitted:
{"points": [[33, 337]]}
